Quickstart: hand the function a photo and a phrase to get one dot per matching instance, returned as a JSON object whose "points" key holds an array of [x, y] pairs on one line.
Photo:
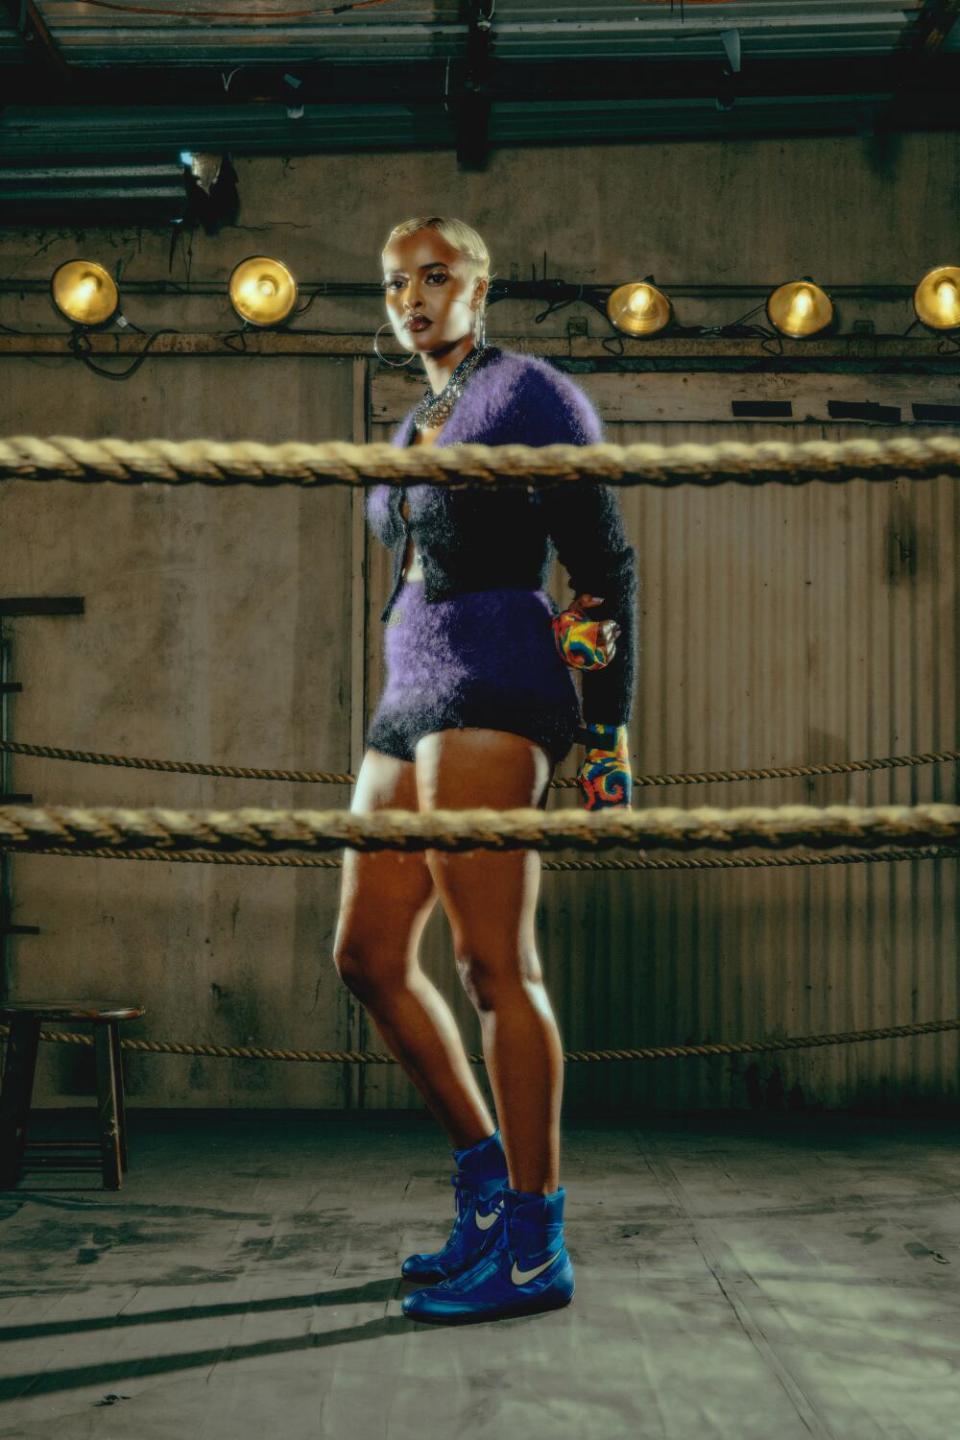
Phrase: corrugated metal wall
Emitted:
{"points": [[778, 626]]}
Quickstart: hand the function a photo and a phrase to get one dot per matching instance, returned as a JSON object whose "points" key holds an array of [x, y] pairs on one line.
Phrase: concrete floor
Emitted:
{"points": [[740, 1277]]}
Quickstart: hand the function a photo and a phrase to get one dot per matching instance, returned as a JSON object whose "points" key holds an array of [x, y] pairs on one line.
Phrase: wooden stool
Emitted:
{"points": [[24, 1019]]}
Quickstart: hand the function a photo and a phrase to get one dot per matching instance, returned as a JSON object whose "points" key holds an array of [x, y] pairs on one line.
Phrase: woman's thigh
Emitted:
{"points": [[490, 899], [385, 896]]}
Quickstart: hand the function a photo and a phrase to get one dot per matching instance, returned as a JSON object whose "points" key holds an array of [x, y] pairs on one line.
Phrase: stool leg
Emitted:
{"points": [[107, 1109], [18, 1073], [114, 1028]]}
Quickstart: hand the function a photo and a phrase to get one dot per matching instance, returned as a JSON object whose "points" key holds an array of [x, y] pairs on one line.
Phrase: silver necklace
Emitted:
{"points": [[433, 410]]}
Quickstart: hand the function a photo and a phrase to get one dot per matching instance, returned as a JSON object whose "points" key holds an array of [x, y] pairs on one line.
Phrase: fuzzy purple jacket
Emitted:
{"points": [[477, 539]]}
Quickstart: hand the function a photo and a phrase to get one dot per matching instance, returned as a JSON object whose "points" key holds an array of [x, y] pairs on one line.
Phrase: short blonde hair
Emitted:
{"points": [[457, 233]]}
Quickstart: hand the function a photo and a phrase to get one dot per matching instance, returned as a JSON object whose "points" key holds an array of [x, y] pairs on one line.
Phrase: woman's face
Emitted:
{"points": [[424, 276]]}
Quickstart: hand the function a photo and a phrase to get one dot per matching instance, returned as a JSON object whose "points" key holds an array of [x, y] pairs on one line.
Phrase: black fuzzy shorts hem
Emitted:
{"points": [[396, 733]]}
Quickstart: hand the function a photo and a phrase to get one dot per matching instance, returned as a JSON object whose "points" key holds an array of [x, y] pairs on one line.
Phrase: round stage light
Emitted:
{"points": [[262, 291], [936, 299], [84, 292], [799, 309], [639, 308]]}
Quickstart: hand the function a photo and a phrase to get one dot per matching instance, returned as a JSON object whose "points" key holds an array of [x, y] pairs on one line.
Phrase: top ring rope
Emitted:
{"points": [[334, 777], [24, 828], [338, 462]]}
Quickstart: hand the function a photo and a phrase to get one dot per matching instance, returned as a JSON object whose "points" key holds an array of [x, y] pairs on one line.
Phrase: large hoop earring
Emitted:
{"points": [[394, 364]]}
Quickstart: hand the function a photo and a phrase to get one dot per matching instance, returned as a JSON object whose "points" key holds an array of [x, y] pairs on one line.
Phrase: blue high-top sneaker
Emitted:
{"points": [[528, 1270], [478, 1186]]}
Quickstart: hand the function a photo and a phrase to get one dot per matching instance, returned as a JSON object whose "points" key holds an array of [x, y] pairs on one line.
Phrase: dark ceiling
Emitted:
{"points": [[112, 79]]}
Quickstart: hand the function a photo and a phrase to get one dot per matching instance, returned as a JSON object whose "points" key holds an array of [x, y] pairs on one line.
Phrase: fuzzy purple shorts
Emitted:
{"points": [[485, 659]]}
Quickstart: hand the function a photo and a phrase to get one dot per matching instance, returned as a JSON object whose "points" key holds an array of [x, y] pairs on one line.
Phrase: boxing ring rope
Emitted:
{"points": [[279, 836], [373, 1057], [751, 862], [332, 777], [24, 828], [339, 462]]}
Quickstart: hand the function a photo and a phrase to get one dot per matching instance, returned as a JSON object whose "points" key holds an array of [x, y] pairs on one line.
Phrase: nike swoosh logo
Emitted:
{"points": [[485, 1221], [521, 1277]]}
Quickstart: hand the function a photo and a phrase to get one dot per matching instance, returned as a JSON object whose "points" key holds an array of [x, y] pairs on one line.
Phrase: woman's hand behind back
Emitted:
{"points": [[585, 644]]}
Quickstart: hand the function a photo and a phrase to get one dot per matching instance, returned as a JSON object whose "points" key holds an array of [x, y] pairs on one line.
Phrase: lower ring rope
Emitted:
{"points": [[672, 862], [372, 1057]]}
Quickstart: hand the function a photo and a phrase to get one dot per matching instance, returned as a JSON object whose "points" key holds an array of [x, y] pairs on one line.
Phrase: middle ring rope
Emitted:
{"points": [[24, 828], [333, 777]]}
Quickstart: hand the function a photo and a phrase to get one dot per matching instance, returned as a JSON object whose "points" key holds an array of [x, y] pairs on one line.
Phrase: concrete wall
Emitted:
{"points": [[223, 625], [849, 210]]}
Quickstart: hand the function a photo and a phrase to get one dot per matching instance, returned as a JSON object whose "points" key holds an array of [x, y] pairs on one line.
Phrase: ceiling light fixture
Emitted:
{"points": [[85, 293], [936, 299], [262, 291], [800, 309], [639, 309]]}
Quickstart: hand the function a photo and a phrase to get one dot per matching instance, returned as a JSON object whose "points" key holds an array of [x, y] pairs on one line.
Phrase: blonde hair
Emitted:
{"points": [[457, 233]]}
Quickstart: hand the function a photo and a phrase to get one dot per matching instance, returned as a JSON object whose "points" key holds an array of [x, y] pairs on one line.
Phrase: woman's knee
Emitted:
{"points": [[355, 969], [372, 971], [493, 980], [359, 973]]}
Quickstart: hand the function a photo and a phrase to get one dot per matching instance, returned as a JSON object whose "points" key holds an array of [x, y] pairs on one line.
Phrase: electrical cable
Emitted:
{"points": [[80, 347]]}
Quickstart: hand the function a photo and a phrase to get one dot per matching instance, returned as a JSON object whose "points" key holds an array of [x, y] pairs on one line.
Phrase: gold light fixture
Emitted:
{"points": [[936, 299], [639, 308], [262, 291], [84, 292], [799, 309]]}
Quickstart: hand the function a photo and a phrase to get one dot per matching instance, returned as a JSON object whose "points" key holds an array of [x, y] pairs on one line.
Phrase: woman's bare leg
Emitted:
{"points": [[385, 901], [490, 901]]}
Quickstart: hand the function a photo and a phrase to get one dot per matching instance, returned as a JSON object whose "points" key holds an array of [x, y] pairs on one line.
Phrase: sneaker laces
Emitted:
{"points": [[467, 1192]]}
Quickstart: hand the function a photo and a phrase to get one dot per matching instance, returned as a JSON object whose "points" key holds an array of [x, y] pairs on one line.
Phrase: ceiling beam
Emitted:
{"points": [[327, 82], [68, 134], [41, 47], [931, 27], [921, 48], [473, 100]]}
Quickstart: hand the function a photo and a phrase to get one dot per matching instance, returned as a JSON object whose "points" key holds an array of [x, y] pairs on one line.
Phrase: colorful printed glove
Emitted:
{"points": [[585, 644], [604, 777]]}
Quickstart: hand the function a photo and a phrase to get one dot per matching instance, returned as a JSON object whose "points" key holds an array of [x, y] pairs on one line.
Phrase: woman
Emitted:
{"points": [[478, 708]]}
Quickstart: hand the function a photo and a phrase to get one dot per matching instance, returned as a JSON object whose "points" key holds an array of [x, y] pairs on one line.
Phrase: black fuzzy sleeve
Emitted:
{"points": [[383, 513], [585, 523], [586, 527]]}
